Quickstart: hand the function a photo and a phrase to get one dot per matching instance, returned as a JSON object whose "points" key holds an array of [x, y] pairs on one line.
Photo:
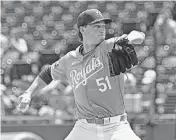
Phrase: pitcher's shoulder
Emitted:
{"points": [[111, 40], [108, 44], [72, 53]]}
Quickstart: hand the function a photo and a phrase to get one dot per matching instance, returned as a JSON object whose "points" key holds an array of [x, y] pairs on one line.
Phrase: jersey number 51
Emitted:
{"points": [[103, 83]]}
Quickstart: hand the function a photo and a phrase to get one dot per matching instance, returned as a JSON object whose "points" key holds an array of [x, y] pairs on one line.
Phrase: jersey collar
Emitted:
{"points": [[80, 49]]}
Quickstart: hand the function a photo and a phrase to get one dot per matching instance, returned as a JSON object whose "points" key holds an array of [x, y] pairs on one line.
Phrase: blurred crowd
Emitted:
{"points": [[37, 33]]}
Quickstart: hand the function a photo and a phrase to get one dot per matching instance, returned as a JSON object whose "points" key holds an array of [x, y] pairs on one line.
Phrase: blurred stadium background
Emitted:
{"points": [[37, 33]]}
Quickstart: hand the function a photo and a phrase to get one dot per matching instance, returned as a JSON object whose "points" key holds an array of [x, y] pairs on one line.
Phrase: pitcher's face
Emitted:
{"points": [[95, 33]]}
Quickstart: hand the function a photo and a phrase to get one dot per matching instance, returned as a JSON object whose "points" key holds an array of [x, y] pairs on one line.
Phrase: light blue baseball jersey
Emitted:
{"points": [[96, 93]]}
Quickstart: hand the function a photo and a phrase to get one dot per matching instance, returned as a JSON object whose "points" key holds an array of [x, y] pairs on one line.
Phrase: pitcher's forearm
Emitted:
{"points": [[42, 80], [36, 86]]}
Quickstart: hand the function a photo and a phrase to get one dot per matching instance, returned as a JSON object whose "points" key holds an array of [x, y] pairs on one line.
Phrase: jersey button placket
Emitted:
{"points": [[87, 56]]}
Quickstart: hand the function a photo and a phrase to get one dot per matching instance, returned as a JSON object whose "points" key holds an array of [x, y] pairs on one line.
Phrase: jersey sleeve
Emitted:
{"points": [[58, 69], [107, 45]]}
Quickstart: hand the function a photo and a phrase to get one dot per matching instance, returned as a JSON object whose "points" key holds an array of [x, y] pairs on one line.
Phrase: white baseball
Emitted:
{"points": [[136, 37]]}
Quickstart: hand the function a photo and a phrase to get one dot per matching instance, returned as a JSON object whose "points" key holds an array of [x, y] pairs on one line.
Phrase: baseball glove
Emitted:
{"points": [[122, 57]]}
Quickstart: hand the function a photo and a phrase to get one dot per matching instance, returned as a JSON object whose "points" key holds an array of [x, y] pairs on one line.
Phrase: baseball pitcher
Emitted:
{"points": [[95, 70]]}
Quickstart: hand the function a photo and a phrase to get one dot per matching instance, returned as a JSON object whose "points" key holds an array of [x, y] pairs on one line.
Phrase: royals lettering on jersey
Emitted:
{"points": [[96, 93], [81, 77]]}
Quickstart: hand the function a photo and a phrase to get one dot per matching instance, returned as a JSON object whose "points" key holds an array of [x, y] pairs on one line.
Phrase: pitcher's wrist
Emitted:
{"points": [[28, 93]]}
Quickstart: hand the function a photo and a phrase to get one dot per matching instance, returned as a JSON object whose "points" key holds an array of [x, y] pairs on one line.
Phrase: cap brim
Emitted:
{"points": [[106, 20]]}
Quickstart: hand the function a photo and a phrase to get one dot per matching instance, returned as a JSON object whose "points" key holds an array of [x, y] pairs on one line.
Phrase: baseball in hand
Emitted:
{"points": [[136, 37]]}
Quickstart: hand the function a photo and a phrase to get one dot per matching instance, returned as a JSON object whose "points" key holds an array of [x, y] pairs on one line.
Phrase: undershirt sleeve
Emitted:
{"points": [[45, 75]]}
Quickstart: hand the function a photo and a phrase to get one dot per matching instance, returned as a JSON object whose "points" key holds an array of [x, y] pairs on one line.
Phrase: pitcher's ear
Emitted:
{"points": [[81, 29]]}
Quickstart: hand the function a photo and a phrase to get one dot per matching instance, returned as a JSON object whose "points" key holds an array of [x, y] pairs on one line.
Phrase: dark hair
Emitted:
{"points": [[80, 36]]}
